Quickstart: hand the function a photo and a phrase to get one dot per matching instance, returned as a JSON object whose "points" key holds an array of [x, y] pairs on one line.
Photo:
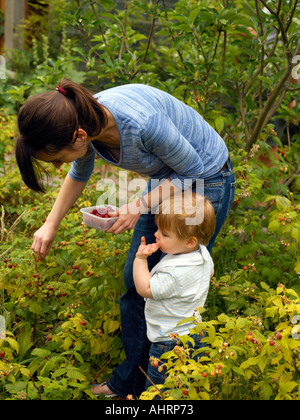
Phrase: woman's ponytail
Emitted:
{"points": [[91, 117]]}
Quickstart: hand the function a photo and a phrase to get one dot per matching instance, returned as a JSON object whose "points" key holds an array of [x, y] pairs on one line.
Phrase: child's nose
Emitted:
{"points": [[156, 235]]}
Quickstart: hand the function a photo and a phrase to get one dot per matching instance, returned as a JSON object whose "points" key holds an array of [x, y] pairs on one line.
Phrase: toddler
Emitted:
{"points": [[179, 283]]}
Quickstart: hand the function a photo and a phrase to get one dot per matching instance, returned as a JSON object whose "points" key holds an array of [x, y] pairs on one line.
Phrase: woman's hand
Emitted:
{"points": [[43, 239], [128, 216]]}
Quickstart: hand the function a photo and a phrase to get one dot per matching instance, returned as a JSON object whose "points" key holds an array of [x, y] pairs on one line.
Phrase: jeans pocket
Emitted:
{"points": [[214, 191]]}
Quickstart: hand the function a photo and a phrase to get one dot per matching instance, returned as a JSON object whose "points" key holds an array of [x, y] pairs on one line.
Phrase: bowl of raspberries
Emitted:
{"points": [[98, 217]]}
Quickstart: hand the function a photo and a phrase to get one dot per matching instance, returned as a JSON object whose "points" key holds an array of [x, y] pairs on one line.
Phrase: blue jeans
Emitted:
{"points": [[158, 376], [128, 378]]}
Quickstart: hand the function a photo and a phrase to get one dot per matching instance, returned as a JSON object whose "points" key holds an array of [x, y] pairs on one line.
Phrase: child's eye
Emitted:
{"points": [[164, 234]]}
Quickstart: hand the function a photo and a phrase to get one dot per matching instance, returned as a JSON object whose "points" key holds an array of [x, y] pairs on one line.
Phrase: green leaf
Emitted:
{"points": [[186, 320], [59, 372], [252, 361], [262, 363], [296, 234], [75, 374], [282, 202], [35, 307], [14, 344], [194, 13], [287, 387], [24, 340], [110, 326], [219, 122], [40, 352]]}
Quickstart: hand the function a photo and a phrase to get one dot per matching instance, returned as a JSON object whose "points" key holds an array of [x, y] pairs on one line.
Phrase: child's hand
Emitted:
{"points": [[144, 250]]}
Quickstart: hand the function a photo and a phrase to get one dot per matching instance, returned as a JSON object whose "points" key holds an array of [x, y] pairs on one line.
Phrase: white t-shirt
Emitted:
{"points": [[179, 284]]}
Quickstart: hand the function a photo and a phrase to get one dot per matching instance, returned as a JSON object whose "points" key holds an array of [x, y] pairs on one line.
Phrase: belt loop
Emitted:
{"points": [[228, 162]]}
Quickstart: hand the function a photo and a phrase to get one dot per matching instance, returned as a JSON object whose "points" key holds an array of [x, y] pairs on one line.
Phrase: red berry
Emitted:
{"points": [[83, 322], [2, 354], [204, 374], [185, 391], [272, 343]]}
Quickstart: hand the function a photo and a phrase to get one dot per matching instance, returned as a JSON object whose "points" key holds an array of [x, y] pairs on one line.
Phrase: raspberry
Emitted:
{"points": [[102, 212]]}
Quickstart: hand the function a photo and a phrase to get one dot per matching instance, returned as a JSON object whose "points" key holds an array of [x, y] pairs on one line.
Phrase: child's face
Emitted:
{"points": [[169, 243]]}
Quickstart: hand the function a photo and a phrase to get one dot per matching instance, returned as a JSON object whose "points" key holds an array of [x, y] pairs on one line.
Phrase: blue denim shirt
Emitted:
{"points": [[160, 137]]}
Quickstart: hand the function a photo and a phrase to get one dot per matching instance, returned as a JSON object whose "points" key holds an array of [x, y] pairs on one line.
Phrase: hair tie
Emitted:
{"points": [[61, 90]]}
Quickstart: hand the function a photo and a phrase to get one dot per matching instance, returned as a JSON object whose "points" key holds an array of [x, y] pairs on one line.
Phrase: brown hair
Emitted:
{"points": [[187, 215], [47, 122]]}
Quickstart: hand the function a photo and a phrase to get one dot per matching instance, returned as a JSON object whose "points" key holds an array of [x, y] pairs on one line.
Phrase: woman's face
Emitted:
{"points": [[65, 155], [68, 154]]}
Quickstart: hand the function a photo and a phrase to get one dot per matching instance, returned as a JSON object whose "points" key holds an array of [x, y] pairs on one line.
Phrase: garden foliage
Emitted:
{"points": [[233, 62]]}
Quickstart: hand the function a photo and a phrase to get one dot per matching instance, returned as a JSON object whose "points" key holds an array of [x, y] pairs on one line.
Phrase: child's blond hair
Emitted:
{"points": [[187, 215]]}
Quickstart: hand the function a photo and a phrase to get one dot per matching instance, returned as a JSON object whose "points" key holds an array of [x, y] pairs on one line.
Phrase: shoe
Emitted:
{"points": [[107, 395]]}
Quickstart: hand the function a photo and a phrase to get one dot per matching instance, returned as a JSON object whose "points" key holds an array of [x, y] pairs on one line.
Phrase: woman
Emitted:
{"points": [[134, 127]]}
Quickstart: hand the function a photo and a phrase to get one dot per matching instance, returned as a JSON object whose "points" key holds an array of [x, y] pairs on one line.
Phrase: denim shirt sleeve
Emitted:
{"points": [[82, 169], [163, 139]]}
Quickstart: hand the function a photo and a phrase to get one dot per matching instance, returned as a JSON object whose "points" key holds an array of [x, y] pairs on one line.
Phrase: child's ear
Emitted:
{"points": [[191, 242]]}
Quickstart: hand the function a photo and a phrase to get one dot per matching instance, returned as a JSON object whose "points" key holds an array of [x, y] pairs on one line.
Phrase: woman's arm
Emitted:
{"points": [[44, 237]]}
